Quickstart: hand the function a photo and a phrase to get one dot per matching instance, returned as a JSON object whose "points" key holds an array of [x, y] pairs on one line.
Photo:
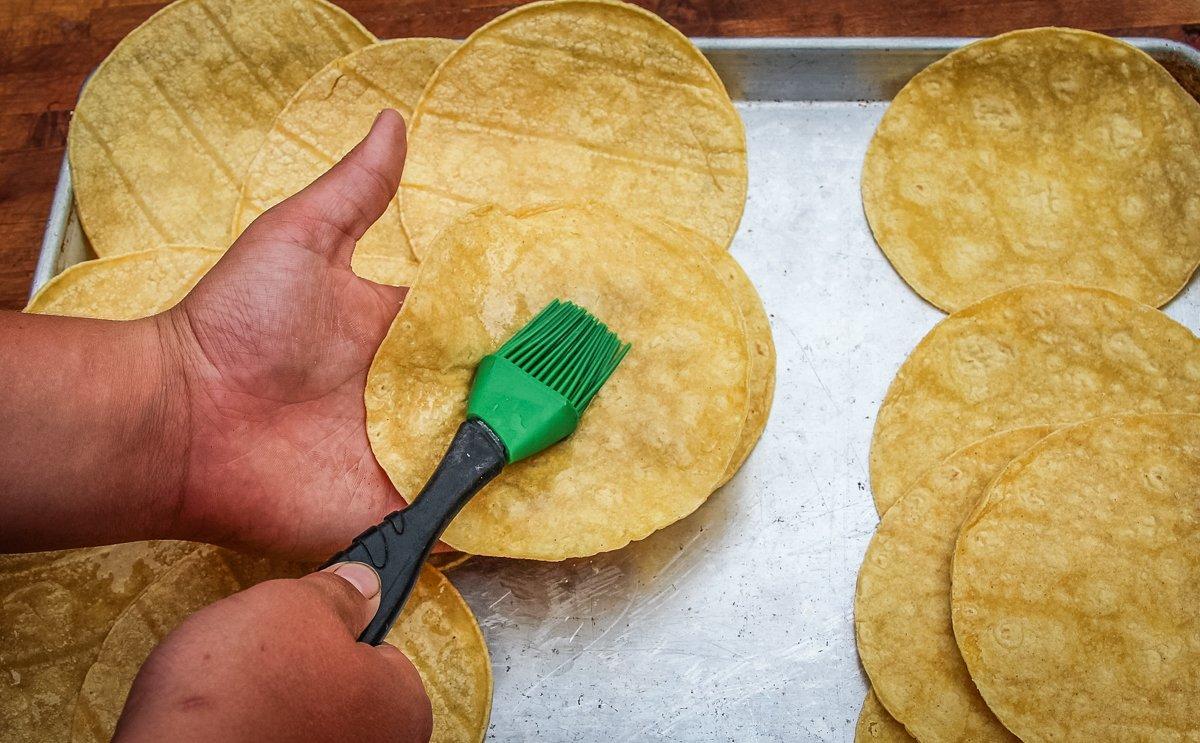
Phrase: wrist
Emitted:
{"points": [[189, 410], [166, 426], [94, 448]]}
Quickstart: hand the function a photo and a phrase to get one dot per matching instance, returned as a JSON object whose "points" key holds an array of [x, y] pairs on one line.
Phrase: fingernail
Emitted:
{"points": [[360, 575]]}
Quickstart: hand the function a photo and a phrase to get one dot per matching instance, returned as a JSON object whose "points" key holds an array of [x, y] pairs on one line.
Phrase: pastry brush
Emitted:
{"points": [[526, 396]]}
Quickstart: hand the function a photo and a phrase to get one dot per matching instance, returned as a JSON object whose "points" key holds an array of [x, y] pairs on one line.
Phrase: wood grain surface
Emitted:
{"points": [[47, 47]]}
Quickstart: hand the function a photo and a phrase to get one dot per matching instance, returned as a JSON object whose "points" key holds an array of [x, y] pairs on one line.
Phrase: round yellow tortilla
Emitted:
{"points": [[760, 343], [168, 122], [657, 438], [323, 121], [760, 352], [1044, 354], [1077, 582], [876, 725], [55, 610], [1045, 154], [902, 603], [205, 575], [576, 101], [436, 631], [127, 286]]}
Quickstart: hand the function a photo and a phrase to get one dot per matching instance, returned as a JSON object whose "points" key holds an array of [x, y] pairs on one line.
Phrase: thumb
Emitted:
{"points": [[351, 592], [339, 206]]}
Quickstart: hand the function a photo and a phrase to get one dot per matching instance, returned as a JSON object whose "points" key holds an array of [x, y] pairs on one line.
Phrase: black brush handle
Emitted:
{"points": [[398, 546]]}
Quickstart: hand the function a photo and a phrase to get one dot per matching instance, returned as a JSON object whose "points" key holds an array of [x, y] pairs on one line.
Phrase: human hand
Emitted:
{"points": [[274, 345], [279, 661]]}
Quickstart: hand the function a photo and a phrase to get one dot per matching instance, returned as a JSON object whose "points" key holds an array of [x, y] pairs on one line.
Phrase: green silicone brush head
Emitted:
{"points": [[533, 389]]}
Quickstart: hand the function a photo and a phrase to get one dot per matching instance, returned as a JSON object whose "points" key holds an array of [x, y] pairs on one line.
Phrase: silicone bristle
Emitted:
{"points": [[567, 349]]}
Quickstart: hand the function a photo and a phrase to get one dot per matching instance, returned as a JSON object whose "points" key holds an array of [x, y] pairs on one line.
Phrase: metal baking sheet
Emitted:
{"points": [[736, 623]]}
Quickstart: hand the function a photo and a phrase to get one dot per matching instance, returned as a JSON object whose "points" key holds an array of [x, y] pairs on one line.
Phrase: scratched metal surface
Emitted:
{"points": [[735, 624]]}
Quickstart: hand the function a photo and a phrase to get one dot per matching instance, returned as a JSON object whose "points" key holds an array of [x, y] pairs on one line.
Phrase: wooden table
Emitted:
{"points": [[47, 47]]}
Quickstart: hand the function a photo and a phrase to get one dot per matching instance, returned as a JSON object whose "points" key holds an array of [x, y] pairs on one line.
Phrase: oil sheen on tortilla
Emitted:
{"points": [[655, 441]]}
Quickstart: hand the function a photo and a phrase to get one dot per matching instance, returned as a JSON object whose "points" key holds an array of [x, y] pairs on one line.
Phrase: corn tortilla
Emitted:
{"points": [[1075, 584], [575, 101], [760, 353], [760, 343], [436, 631], [657, 438], [55, 610], [205, 575], [1044, 154], [324, 119], [902, 603], [1044, 354], [126, 286], [875, 725], [168, 122]]}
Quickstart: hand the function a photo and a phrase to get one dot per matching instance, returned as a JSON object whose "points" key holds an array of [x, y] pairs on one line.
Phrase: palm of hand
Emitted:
{"points": [[277, 340], [283, 345]]}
